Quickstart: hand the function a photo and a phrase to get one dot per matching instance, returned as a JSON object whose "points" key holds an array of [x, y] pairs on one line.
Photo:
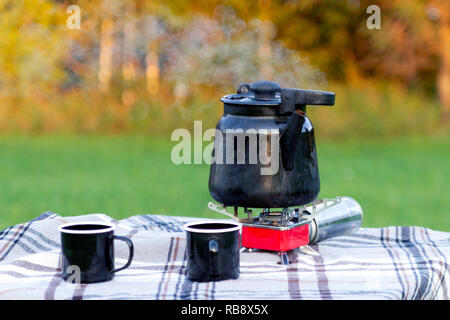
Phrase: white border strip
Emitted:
{"points": [[190, 226], [110, 227]]}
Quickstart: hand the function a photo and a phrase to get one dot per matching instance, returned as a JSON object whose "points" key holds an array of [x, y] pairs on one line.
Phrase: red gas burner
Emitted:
{"points": [[280, 231], [280, 239]]}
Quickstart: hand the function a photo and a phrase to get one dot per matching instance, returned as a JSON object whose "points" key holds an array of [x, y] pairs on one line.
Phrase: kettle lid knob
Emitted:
{"points": [[265, 90]]}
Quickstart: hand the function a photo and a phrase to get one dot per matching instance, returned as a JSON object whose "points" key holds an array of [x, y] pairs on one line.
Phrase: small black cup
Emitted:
{"points": [[88, 252], [213, 250]]}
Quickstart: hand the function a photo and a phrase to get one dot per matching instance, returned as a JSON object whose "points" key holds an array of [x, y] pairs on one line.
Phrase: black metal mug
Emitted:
{"points": [[212, 250], [87, 250]]}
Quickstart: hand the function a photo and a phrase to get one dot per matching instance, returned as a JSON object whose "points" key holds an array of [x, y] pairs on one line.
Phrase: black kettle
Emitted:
{"points": [[264, 121]]}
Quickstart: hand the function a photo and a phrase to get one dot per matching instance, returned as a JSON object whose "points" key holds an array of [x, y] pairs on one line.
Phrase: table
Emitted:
{"points": [[375, 263]]}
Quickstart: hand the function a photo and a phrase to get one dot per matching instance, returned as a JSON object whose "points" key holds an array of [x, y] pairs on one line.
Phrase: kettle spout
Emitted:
{"points": [[289, 139]]}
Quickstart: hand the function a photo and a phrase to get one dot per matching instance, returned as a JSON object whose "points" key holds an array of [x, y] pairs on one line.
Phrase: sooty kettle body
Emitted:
{"points": [[264, 150]]}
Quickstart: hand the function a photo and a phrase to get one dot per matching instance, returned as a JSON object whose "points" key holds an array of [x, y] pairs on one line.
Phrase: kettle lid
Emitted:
{"points": [[268, 98], [261, 93]]}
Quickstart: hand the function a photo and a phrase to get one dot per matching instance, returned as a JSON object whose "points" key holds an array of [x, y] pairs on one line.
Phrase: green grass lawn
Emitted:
{"points": [[399, 182]]}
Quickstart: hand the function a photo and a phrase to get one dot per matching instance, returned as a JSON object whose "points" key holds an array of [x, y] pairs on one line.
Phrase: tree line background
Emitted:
{"points": [[152, 66]]}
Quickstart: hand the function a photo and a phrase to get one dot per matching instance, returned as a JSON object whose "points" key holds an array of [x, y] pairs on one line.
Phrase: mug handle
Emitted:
{"points": [[130, 246], [213, 247]]}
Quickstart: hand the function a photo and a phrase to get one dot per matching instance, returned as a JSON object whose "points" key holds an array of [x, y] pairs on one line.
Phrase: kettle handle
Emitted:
{"points": [[289, 139], [295, 99]]}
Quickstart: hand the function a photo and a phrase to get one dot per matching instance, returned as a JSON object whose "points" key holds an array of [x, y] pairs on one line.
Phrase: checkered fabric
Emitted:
{"points": [[374, 263]]}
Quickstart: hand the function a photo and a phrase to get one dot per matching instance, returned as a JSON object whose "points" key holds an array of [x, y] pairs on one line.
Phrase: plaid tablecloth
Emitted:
{"points": [[385, 263]]}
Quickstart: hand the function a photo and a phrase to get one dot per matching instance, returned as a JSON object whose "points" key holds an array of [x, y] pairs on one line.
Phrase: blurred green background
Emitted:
{"points": [[88, 102]]}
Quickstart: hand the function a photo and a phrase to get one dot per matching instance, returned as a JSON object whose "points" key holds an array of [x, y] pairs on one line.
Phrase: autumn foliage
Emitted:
{"points": [[155, 66]]}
